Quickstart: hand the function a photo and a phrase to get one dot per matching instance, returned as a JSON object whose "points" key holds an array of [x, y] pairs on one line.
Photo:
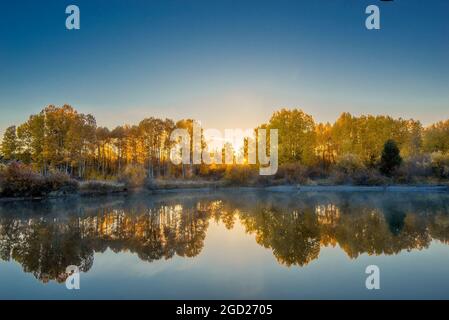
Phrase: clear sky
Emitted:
{"points": [[227, 63]]}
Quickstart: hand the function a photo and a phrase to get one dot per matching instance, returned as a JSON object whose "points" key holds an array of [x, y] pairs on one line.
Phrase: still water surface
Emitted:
{"points": [[232, 244]]}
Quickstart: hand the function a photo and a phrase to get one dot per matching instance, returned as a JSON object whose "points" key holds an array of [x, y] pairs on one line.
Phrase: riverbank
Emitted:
{"points": [[104, 188], [351, 188], [317, 188], [174, 186]]}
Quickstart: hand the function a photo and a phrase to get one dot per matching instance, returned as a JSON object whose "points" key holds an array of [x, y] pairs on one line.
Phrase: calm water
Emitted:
{"points": [[233, 244]]}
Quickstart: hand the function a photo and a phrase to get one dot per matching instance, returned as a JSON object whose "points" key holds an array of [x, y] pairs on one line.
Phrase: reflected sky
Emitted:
{"points": [[232, 244]]}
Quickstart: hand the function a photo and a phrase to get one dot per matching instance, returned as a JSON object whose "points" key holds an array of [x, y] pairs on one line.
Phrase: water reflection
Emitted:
{"points": [[47, 237]]}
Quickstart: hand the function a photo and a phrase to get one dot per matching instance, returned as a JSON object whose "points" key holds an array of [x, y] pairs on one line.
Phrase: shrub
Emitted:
{"points": [[213, 171], [315, 172], [239, 174], [19, 180], [440, 164], [292, 173], [414, 167], [265, 180], [101, 187], [349, 163], [133, 175], [368, 177], [338, 177], [58, 181], [350, 169]]}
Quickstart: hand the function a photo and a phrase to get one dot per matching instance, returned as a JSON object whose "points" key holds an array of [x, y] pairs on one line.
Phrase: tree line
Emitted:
{"points": [[62, 139]]}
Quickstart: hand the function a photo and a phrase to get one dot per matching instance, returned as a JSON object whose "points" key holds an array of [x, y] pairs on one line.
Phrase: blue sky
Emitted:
{"points": [[227, 63]]}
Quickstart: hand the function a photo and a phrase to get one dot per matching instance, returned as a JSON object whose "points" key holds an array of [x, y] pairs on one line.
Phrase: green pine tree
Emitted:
{"points": [[391, 158]]}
